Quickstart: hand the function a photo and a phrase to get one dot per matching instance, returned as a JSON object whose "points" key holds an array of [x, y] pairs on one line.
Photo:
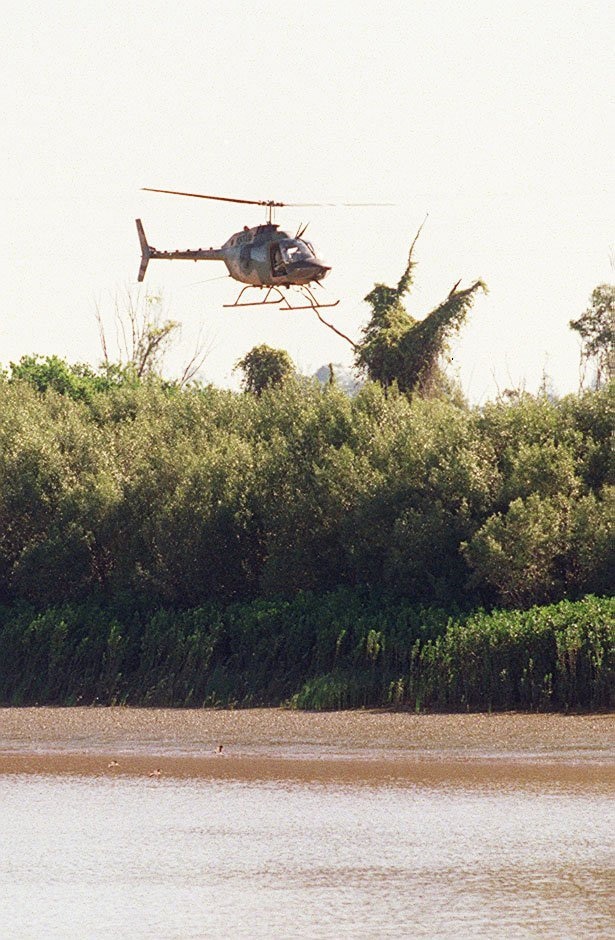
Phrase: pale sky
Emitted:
{"points": [[497, 119]]}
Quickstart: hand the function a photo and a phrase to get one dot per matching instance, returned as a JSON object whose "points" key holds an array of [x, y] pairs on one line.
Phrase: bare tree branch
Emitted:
{"points": [[143, 334], [195, 363], [335, 329], [405, 281], [102, 335]]}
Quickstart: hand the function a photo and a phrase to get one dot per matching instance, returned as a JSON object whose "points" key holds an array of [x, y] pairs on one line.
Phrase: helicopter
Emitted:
{"points": [[263, 257]]}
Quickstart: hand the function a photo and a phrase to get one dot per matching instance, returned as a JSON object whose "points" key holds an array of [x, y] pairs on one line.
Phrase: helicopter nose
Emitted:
{"points": [[319, 271], [309, 270]]}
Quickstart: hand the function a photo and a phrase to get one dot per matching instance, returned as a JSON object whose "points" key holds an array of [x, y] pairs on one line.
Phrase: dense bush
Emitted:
{"points": [[186, 497]]}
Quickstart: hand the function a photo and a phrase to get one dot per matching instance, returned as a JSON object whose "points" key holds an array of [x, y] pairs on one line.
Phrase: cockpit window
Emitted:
{"points": [[295, 250]]}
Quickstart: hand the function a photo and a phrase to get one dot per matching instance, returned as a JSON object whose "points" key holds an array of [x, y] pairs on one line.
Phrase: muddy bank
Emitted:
{"points": [[272, 744]]}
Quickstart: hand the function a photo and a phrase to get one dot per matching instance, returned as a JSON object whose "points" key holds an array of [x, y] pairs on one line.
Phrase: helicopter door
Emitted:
{"points": [[245, 258], [278, 268]]}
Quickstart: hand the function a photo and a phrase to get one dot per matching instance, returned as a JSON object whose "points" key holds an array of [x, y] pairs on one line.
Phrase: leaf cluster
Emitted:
{"points": [[264, 367]]}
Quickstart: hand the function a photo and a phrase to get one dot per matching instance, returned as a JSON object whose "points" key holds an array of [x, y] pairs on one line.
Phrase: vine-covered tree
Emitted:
{"points": [[264, 367], [596, 327], [398, 348]]}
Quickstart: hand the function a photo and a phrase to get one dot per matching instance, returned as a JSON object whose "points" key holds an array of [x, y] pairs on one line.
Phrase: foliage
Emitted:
{"points": [[196, 495], [264, 367], [397, 348], [79, 381], [596, 327], [337, 650], [168, 545], [519, 552]]}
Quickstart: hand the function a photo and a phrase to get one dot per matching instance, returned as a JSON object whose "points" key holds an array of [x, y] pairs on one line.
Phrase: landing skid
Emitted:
{"points": [[275, 296]]}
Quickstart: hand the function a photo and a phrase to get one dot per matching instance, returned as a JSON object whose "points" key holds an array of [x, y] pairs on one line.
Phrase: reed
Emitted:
{"points": [[343, 649]]}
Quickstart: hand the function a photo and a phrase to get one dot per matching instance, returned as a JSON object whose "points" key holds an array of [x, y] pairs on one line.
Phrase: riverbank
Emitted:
{"points": [[273, 744]]}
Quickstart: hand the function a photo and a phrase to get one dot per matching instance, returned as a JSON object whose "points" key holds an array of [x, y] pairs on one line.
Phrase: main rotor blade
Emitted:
{"points": [[247, 202], [333, 205], [268, 202]]}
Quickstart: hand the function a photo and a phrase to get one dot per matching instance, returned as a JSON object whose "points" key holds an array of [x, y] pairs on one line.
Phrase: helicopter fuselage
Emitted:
{"points": [[262, 256]]}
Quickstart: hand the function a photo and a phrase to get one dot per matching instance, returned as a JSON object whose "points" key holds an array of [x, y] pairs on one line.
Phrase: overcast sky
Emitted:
{"points": [[497, 119]]}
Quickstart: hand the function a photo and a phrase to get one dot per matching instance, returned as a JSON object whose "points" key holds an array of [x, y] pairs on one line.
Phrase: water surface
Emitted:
{"points": [[129, 823]]}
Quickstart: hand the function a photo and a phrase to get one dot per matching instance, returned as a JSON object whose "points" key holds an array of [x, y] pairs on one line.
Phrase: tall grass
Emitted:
{"points": [[341, 650]]}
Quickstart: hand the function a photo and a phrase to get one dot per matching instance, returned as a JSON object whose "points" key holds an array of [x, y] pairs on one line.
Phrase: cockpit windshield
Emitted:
{"points": [[294, 250]]}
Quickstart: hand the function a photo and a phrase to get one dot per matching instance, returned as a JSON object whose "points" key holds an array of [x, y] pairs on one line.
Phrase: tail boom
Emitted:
{"points": [[196, 254]]}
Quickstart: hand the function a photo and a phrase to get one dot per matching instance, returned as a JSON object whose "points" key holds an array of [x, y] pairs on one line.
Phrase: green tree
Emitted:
{"points": [[591, 556], [264, 367], [78, 381], [57, 490], [518, 552], [305, 480], [592, 414], [398, 348], [596, 327]]}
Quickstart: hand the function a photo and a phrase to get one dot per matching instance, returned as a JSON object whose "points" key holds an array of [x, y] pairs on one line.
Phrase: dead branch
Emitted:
{"points": [[335, 329]]}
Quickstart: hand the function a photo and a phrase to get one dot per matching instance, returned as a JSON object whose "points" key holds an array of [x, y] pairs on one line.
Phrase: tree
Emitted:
{"points": [[397, 347], [144, 336], [596, 328], [264, 367], [520, 553], [76, 381]]}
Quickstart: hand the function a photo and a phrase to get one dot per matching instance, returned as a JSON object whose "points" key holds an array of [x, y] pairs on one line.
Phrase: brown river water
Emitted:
{"points": [[271, 823]]}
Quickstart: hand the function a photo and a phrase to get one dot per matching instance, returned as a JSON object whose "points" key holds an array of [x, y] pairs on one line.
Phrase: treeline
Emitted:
{"points": [[112, 487], [339, 650], [187, 546]]}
